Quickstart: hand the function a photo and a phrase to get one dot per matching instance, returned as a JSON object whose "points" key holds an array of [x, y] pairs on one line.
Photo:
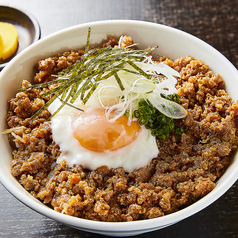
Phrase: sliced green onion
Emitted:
{"points": [[169, 108]]}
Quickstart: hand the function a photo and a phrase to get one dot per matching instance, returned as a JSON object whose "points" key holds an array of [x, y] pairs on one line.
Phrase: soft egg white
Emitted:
{"points": [[133, 156]]}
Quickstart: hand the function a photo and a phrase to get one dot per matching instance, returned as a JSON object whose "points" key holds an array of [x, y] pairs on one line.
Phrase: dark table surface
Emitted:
{"points": [[213, 21]]}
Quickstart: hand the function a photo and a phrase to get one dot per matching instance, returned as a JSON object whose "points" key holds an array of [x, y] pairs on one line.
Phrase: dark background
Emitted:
{"points": [[213, 21]]}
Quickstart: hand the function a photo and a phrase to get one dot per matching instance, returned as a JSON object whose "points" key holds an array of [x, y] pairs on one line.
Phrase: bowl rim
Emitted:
{"points": [[134, 225]]}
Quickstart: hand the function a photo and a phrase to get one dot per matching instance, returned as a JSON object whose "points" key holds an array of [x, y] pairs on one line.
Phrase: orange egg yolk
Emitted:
{"points": [[94, 132]]}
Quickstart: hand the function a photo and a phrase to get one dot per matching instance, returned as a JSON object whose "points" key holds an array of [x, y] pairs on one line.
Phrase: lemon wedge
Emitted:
{"points": [[8, 40]]}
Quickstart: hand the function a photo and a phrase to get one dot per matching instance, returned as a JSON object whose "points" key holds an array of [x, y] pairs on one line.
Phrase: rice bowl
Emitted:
{"points": [[171, 42]]}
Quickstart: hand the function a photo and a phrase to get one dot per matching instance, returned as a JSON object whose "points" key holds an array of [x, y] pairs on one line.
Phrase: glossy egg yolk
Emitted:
{"points": [[94, 132]]}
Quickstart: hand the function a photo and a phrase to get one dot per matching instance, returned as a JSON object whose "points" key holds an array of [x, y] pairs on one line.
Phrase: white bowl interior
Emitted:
{"points": [[171, 42]]}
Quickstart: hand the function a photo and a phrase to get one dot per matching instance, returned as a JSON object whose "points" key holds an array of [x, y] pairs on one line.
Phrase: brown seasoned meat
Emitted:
{"points": [[185, 170]]}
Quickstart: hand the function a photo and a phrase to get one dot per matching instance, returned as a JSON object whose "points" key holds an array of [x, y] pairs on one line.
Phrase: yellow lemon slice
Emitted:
{"points": [[8, 40]]}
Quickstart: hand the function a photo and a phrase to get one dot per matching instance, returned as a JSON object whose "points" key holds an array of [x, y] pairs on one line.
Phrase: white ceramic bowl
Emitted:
{"points": [[173, 43]]}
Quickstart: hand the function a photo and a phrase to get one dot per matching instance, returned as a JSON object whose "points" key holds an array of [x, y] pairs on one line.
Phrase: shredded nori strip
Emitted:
{"points": [[82, 78]]}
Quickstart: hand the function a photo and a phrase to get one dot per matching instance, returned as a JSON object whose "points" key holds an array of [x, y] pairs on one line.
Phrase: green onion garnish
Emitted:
{"points": [[135, 82]]}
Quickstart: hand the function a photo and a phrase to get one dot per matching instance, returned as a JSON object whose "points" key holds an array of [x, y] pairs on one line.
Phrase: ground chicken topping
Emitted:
{"points": [[185, 170]]}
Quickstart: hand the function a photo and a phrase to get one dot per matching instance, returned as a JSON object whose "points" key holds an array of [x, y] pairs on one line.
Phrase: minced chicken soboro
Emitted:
{"points": [[185, 170]]}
